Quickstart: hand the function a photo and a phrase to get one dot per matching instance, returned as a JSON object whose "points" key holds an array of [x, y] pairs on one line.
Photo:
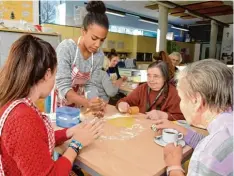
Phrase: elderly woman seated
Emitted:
{"points": [[206, 91], [176, 59], [157, 98]]}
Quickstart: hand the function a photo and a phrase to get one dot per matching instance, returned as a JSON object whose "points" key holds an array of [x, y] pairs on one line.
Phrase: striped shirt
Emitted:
{"points": [[213, 154]]}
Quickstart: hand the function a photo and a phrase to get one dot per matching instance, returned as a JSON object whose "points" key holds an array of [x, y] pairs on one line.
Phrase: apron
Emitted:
{"points": [[49, 129], [79, 79]]}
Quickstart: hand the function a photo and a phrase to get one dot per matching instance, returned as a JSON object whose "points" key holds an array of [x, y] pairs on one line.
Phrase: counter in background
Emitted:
{"points": [[142, 65], [134, 75]]}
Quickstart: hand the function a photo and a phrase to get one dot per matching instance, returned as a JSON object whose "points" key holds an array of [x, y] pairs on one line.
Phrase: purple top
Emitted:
{"points": [[213, 154]]}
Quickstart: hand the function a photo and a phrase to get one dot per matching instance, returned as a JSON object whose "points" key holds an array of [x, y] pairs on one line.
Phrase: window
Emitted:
{"points": [[125, 30], [49, 11]]}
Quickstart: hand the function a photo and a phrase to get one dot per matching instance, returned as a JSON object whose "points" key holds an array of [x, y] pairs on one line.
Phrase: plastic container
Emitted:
{"points": [[67, 117]]}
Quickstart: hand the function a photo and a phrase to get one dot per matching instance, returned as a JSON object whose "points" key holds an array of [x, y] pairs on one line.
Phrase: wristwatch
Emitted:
{"points": [[75, 145], [171, 168]]}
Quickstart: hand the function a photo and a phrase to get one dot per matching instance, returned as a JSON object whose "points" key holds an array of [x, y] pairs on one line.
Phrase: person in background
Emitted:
{"points": [[157, 98], [130, 63], [206, 91], [162, 55], [80, 59], [27, 137], [121, 63], [112, 69], [176, 59], [104, 87]]}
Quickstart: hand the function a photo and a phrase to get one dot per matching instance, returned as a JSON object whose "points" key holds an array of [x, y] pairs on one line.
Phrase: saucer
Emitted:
{"points": [[158, 140]]}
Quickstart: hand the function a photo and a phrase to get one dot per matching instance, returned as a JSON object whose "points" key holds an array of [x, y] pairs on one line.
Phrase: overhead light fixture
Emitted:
{"points": [[130, 14], [148, 21], [120, 14], [192, 14], [182, 29], [205, 24]]}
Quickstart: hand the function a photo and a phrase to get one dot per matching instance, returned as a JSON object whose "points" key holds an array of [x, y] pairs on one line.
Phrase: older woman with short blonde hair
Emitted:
{"points": [[206, 91]]}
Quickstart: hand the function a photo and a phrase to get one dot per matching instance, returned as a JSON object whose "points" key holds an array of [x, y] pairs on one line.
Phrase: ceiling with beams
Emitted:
{"points": [[182, 13]]}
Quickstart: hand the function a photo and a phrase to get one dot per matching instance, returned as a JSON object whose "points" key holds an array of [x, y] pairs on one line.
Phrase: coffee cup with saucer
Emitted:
{"points": [[170, 136]]}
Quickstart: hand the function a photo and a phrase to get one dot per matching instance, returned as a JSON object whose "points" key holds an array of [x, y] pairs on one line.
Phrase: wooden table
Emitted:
{"points": [[138, 156]]}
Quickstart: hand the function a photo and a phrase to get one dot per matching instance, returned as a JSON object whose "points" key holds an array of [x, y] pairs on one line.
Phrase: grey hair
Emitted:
{"points": [[162, 67], [176, 54], [213, 80]]}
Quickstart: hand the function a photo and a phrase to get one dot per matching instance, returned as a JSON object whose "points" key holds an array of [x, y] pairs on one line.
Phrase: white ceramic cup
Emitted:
{"points": [[171, 135]]}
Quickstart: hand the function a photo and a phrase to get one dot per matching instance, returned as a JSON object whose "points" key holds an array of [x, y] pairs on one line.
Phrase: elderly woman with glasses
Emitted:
{"points": [[206, 91], [157, 98]]}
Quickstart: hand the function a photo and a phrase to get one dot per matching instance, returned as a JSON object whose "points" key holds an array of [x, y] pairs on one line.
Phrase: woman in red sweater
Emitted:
{"points": [[27, 137], [157, 98]]}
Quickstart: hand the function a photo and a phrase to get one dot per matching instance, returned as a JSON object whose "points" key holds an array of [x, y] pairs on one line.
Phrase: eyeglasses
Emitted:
{"points": [[154, 77]]}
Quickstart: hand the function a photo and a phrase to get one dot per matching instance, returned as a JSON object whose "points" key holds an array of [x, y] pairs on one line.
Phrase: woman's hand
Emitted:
{"points": [[156, 114], [162, 124], [165, 124], [99, 114], [124, 78], [123, 107], [173, 155], [118, 82], [87, 132], [95, 104], [101, 110]]}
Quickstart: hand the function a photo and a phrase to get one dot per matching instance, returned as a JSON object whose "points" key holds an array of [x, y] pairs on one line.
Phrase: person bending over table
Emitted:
{"points": [[157, 98], [80, 59], [206, 91]]}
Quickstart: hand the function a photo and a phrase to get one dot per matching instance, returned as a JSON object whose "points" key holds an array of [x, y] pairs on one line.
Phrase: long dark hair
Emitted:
{"points": [[96, 15], [163, 56], [27, 63]]}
